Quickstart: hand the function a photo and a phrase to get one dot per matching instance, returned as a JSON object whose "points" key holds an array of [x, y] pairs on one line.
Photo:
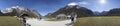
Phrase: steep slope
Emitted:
{"points": [[0, 12], [67, 10], [17, 11], [115, 11]]}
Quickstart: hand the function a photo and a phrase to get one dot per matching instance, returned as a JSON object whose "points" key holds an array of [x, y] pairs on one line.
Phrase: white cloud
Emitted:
{"points": [[73, 3], [79, 3]]}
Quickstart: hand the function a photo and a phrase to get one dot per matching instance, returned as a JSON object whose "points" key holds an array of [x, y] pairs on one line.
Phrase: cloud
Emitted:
{"points": [[84, 3], [79, 3], [73, 3]]}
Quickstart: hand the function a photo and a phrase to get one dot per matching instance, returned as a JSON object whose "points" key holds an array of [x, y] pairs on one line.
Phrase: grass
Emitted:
{"points": [[98, 21], [9, 21]]}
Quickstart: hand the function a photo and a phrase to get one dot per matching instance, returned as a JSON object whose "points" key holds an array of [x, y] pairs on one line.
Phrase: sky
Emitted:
{"points": [[49, 6]]}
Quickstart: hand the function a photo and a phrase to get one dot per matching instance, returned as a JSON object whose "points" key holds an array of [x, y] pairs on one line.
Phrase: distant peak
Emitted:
{"points": [[72, 4]]}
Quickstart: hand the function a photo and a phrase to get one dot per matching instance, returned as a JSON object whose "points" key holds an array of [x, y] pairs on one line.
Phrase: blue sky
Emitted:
{"points": [[48, 6]]}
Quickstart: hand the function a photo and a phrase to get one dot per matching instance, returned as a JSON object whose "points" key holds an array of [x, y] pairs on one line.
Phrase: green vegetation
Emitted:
{"points": [[98, 21], [9, 21], [53, 19]]}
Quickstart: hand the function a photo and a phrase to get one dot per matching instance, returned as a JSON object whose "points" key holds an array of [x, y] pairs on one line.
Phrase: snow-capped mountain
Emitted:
{"points": [[73, 7], [17, 11]]}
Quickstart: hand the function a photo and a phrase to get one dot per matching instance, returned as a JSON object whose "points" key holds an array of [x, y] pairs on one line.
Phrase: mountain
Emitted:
{"points": [[0, 12], [103, 13], [100, 13], [17, 11], [96, 13], [48, 15], [67, 10], [115, 11]]}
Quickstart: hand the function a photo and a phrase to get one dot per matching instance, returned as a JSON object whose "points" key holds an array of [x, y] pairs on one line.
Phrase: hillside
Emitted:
{"points": [[114, 11], [67, 10]]}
